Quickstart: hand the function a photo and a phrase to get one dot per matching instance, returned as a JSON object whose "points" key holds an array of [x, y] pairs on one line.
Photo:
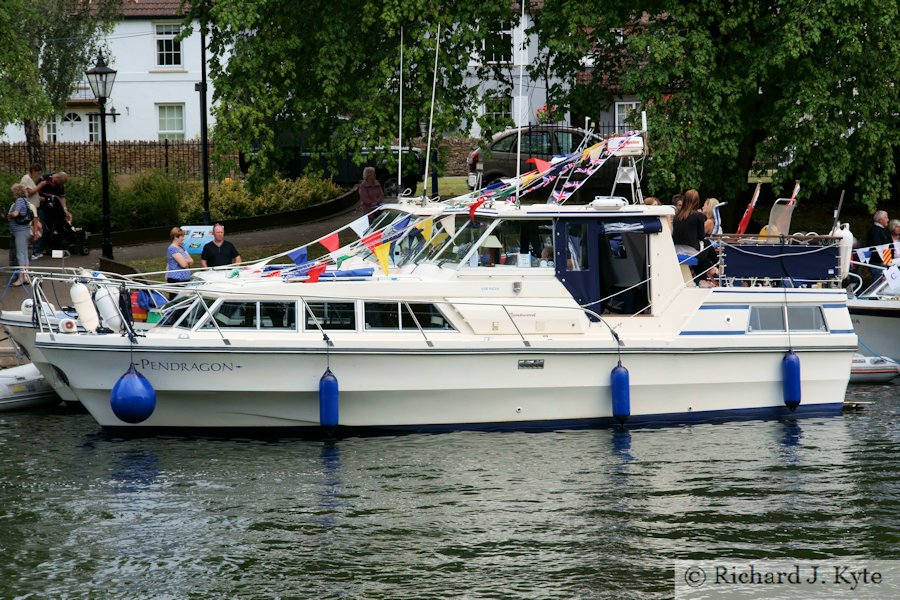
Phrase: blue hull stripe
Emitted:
{"points": [[762, 413], [713, 333], [834, 306], [780, 291]]}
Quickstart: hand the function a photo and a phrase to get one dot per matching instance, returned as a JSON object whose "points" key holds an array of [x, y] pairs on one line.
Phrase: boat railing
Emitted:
{"points": [[798, 259]]}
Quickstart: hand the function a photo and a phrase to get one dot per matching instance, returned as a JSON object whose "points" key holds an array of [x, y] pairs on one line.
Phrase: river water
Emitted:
{"points": [[566, 514]]}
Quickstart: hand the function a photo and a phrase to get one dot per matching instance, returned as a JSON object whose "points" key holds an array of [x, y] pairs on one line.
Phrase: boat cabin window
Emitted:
{"points": [[799, 318], [577, 253], [395, 315], [278, 315], [231, 314], [427, 315], [330, 315], [506, 243], [195, 313], [806, 318], [174, 310]]}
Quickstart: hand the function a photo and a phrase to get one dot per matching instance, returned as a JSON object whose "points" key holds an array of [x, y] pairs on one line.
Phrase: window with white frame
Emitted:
{"points": [[93, 127], [72, 118], [168, 49], [51, 131], [498, 108], [171, 121], [623, 113], [497, 46]]}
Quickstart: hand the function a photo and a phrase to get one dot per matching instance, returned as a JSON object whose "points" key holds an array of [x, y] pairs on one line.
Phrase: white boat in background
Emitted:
{"points": [[873, 369], [23, 387], [876, 317]]}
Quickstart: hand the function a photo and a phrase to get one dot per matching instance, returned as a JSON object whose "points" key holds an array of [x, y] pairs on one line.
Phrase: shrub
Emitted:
{"points": [[152, 198], [291, 194]]}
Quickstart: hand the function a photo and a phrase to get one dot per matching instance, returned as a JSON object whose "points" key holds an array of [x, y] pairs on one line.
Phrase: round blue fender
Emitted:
{"points": [[132, 399], [621, 393], [328, 399], [790, 372]]}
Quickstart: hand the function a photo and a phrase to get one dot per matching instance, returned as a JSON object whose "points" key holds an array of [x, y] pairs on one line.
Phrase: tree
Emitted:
{"points": [[41, 66], [329, 72], [808, 90]]}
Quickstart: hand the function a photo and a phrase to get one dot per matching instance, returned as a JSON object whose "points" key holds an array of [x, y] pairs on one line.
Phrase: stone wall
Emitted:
{"points": [[455, 149]]}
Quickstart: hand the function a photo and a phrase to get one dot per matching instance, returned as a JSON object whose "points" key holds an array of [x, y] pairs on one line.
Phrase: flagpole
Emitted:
{"points": [[520, 105], [400, 128], [437, 45]]}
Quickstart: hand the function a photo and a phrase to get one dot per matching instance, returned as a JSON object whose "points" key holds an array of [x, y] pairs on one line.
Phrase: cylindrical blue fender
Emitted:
{"points": [[621, 393], [132, 399], [328, 399], [790, 372]]}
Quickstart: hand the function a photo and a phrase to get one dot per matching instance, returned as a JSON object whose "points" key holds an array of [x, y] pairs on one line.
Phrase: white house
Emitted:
{"points": [[154, 95]]}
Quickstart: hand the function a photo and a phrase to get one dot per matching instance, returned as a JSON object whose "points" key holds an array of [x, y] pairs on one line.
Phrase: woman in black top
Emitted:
{"points": [[687, 228]]}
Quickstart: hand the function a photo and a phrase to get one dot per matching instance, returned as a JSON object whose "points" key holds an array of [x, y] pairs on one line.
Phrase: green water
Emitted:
{"points": [[568, 514]]}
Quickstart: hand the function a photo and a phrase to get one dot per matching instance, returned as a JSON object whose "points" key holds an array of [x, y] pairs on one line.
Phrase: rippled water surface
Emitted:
{"points": [[568, 514]]}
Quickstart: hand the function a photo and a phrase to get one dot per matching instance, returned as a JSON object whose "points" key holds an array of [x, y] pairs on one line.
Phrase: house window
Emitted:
{"points": [[168, 49], [171, 121], [623, 112], [51, 131], [93, 128], [72, 118], [497, 45], [498, 109]]}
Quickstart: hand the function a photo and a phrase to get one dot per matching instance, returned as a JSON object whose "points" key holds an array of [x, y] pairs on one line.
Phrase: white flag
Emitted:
{"points": [[360, 225]]}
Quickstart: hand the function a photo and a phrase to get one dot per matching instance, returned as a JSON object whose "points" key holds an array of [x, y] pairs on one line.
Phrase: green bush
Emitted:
{"points": [[152, 197], [291, 194]]}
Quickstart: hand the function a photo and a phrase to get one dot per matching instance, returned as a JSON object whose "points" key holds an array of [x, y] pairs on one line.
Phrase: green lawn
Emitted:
{"points": [[447, 186]]}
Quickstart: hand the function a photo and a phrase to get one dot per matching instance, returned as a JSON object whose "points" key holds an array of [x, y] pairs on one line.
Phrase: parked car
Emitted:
{"points": [[538, 141]]}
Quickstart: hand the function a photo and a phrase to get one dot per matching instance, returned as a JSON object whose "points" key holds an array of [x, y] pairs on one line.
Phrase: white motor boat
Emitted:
{"points": [[23, 387], [876, 318], [480, 313], [873, 369]]}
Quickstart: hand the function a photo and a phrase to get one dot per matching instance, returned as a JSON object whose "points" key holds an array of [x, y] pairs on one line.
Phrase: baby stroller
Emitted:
{"points": [[59, 234]]}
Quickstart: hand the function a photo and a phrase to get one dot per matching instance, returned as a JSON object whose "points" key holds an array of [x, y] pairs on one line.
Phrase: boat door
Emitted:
{"points": [[603, 258], [576, 259]]}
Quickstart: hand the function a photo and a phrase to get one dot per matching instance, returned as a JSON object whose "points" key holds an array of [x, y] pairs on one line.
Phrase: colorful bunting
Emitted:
{"points": [[382, 252], [330, 242], [426, 227], [474, 206], [372, 240], [298, 256], [360, 225], [315, 272]]}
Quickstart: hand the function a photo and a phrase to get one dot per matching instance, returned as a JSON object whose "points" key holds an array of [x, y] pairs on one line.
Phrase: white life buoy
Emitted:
{"points": [[87, 313], [106, 306]]}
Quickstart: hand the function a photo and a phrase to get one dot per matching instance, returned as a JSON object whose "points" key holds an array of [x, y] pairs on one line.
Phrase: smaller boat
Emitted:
{"points": [[873, 369], [23, 387]]}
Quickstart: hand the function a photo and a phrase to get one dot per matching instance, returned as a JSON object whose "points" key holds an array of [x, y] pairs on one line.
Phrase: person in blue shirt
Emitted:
{"points": [[178, 260]]}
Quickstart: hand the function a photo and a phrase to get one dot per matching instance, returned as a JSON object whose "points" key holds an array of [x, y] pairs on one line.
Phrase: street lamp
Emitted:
{"points": [[101, 78]]}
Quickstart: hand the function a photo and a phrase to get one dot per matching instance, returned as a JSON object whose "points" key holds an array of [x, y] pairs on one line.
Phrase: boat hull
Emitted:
{"points": [[452, 390], [877, 323], [23, 387]]}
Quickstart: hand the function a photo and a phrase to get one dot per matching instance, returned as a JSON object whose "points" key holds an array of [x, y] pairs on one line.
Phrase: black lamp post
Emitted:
{"points": [[101, 78]]}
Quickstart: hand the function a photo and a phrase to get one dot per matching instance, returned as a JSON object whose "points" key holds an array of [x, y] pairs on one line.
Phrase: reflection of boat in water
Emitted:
{"points": [[23, 387], [873, 369], [417, 324]]}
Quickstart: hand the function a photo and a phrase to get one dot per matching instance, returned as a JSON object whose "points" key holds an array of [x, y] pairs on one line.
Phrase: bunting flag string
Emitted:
{"points": [[360, 225], [595, 157], [330, 242], [299, 256], [426, 227], [315, 272], [449, 224], [885, 252], [372, 240], [382, 252]]}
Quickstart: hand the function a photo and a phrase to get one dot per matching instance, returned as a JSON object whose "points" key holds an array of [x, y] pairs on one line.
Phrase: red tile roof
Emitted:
{"points": [[132, 9]]}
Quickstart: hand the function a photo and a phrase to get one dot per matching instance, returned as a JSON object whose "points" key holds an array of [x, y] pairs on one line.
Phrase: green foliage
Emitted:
{"points": [[278, 77], [808, 90], [151, 198]]}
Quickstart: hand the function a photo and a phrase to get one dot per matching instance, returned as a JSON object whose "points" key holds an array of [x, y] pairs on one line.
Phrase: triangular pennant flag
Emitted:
{"points": [[372, 240], [474, 207], [298, 256], [340, 260], [330, 242], [426, 227], [540, 165], [360, 225], [449, 224], [382, 252], [403, 224], [315, 272]]}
